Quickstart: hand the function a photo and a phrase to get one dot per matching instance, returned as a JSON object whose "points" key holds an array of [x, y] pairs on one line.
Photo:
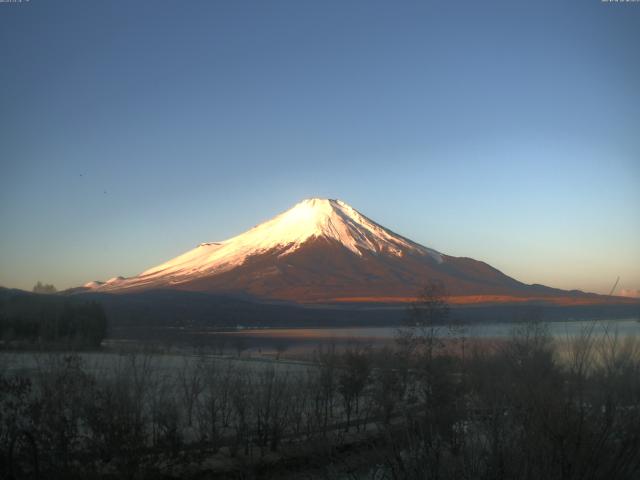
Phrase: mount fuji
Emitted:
{"points": [[325, 251]]}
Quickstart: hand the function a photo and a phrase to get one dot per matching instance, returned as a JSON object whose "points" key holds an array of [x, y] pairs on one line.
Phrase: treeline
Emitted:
{"points": [[528, 408], [31, 318]]}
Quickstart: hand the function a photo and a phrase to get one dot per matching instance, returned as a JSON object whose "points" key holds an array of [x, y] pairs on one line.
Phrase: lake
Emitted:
{"points": [[288, 339]]}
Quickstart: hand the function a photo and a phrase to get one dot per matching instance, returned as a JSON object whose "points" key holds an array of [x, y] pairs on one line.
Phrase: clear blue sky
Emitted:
{"points": [[506, 131]]}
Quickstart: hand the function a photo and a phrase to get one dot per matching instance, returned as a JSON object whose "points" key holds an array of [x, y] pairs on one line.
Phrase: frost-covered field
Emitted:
{"points": [[133, 411], [104, 363]]}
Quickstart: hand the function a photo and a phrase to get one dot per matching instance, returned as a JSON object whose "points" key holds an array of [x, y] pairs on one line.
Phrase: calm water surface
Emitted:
{"points": [[622, 327], [305, 339]]}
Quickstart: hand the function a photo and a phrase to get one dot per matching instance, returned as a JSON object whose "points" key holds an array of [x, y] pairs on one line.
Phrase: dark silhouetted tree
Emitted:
{"points": [[44, 288]]}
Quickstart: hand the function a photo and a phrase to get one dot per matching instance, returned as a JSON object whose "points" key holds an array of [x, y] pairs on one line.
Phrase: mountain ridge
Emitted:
{"points": [[325, 251]]}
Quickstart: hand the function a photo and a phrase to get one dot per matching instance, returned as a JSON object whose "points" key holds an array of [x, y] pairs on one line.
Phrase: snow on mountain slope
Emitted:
{"points": [[324, 251], [310, 219]]}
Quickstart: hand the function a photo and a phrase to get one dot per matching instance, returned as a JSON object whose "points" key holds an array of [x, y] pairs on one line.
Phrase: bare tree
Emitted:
{"points": [[191, 384], [281, 347], [327, 383], [427, 315], [352, 380], [240, 345], [271, 408], [46, 288], [241, 402], [388, 386]]}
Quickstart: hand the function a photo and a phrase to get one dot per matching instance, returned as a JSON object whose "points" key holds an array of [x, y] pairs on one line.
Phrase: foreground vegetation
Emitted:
{"points": [[531, 407]]}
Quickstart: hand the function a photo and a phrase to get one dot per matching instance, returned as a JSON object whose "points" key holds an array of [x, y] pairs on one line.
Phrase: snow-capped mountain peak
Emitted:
{"points": [[319, 217], [284, 234], [324, 251]]}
